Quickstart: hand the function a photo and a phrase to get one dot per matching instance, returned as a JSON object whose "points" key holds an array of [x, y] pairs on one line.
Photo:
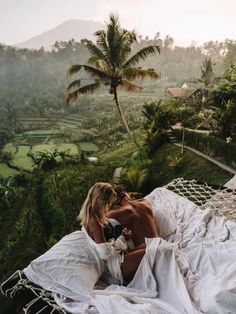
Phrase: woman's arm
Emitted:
{"points": [[96, 231]]}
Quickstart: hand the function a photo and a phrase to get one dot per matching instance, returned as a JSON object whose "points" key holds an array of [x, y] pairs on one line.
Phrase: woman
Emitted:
{"points": [[94, 218]]}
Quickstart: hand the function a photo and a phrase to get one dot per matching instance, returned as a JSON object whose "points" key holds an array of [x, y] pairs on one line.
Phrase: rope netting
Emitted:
{"points": [[221, 200], [32, 298]]}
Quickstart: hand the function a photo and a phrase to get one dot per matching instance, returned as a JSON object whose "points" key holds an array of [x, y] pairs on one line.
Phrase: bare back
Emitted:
{"points": [[137, 216]]}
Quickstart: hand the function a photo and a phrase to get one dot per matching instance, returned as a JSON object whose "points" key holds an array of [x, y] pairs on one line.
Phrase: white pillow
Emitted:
{"points": [[162, 205], [71, 267]]}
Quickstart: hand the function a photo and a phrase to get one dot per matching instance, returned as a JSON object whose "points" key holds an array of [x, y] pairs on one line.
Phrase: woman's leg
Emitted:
{"points": [[131, 263]]}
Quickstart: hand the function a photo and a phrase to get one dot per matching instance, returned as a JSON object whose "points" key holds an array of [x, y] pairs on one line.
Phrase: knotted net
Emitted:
{"points": [[221, 200]]}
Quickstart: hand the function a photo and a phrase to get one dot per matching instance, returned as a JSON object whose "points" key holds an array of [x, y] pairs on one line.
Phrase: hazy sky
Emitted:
{"points": [[185, 20]]}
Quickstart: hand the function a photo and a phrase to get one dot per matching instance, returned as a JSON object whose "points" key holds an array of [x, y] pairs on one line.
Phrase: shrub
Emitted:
{"points": [[210, 145]]}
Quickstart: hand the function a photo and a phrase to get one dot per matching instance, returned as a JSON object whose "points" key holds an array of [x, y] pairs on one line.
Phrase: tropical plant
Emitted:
{"points": [[230, 73], [133, 179], [174, 162], [46, 160], [185, 117], [207, 73], [223, 100], [7, 190], [158, 119], [110, 64]]}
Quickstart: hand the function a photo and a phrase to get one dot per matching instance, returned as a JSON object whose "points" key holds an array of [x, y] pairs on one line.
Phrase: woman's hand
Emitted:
{"points": [[127, 234]]}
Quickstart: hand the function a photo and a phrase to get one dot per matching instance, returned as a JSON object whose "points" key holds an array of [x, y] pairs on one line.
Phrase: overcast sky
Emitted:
{"points": [[185, 20]]}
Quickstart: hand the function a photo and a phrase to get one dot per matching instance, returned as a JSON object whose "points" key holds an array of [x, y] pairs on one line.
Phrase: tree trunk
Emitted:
{"points": [[123, 120]]}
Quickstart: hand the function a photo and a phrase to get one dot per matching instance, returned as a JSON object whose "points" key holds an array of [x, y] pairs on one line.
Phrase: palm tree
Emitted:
{"points": [[207, 73], [110, 64]]}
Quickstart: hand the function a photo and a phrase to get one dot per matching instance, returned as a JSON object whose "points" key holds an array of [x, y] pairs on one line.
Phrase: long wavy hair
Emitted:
{"points": [[100, 197]]}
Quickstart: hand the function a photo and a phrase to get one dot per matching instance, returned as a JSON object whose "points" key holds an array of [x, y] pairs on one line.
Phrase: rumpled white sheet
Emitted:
{"points": [[192, 270]]}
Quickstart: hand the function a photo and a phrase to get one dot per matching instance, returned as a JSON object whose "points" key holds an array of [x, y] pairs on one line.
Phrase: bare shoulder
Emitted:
{"points": [[147, 202], [144, 207], [124, 214], [144, 203]]}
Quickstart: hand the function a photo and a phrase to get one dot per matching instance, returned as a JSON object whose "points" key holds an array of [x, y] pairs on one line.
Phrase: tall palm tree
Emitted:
{"points": [[207, 73], [110, 64]]}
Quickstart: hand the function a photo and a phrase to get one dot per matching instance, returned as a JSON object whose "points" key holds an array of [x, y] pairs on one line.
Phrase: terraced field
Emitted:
{"points": [[21, 159], [71, 149], [6, 172], [9, 148], [88, 147]]}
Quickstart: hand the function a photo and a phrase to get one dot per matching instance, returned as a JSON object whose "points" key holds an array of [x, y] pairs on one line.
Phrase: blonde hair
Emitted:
{"points": [[99, 198]]}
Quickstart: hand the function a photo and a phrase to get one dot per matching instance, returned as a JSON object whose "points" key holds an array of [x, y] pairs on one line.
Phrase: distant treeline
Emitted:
{"points": [[32, 80]]}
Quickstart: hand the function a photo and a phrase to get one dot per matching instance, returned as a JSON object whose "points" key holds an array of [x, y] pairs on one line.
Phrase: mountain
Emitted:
{"points": [[76, 29]]}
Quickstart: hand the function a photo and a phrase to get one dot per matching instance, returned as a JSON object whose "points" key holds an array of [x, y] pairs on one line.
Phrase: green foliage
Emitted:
{"points": [[6, 157], [212, 146], [207, 73], [134, 178], [224, 99], [168, 163], [158, 119], [222, 95], [45, 160], [136, 171], [62, 193], [175, 163], [7, 191], [158, 116], [22, 233], [186, 116], [230, 73]]}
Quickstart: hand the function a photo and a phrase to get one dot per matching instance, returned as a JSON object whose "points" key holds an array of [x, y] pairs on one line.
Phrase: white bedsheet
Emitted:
{"points": [[192, 270]]}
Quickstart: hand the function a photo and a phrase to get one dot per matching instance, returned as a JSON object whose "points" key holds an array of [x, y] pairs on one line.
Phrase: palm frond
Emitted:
{"points": [[96, 72], [94, 50], [87, 89], [118, 42], [123, 47], [74, 69], [129, 86], [140, 73], [72, 97], [102, 42], [74, 85], [141, 55]]}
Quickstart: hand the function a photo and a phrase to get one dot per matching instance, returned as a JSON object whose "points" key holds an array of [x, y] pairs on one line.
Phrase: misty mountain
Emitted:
{"points": [[76, 29]]}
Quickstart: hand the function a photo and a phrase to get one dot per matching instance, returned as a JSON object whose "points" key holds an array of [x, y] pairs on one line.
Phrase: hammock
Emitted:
{"points": [[220, 200], [34, 299]]}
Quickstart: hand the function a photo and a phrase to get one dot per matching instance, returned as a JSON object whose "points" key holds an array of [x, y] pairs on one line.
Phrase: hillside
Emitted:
{"points": [[76, 29]]}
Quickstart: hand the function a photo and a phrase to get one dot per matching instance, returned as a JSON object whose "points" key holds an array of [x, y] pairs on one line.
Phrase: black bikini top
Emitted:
{"points": [[112, 231]]}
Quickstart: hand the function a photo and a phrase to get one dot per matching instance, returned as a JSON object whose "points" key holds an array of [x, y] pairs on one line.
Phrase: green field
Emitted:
{"points": [[71, 148], [88, 147], [6, 172], [21, 159], [9, 148]]}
